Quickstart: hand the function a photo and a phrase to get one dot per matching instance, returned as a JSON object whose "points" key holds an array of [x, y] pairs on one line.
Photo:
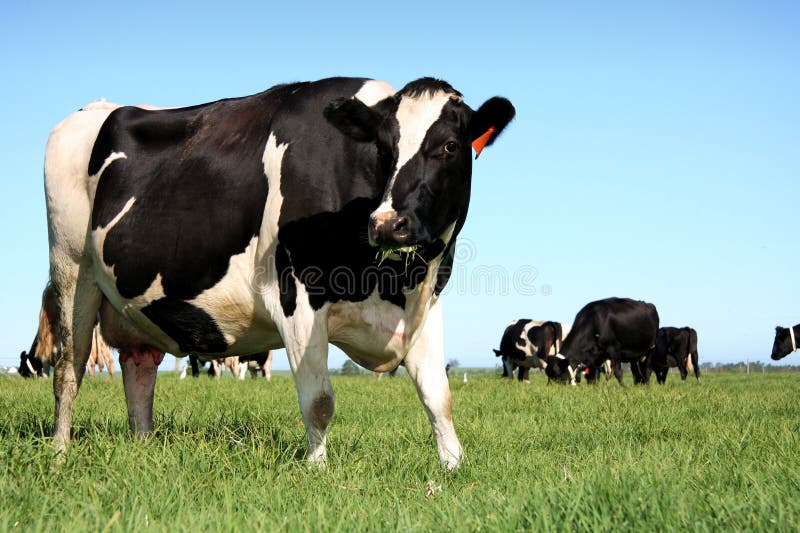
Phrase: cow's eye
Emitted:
{"points": [[451, 147]]}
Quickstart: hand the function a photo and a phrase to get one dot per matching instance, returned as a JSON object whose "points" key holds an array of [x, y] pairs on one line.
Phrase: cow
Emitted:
{"points": [[526, 343], [31, 366], [261, 362], [619, 329], [675, 347], [311, 213], [785, 341]]}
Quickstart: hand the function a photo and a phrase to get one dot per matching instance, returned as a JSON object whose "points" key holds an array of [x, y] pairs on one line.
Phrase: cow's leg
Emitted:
{"points": [[139, 369], [195, 366], [77, 299], [616, 366], [267, 367], [693, 360], [524, 374], [508, 370], [425, 364], [681, 364], [305, 335], [216, 368]]}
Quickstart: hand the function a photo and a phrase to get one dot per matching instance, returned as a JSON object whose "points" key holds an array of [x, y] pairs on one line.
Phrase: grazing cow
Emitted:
{"points": [[31, 366], [311, 213], [260, 362], [619, 329], [785, 341], [525, 344], [675, 347]]}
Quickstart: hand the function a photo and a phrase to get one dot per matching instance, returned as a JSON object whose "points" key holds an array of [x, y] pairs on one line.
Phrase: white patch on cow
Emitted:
{"points": [[68, 189], [373, 91], [414, 116], [573, 372], [560, 356], [272, 160], [113, 156], [447, 234], [107, 280], [371, 332], [232, 303]]}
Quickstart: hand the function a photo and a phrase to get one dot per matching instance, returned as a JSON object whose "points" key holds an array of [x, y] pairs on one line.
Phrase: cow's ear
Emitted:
{"points": [[489, 121], [778, 329], [353, 118]]}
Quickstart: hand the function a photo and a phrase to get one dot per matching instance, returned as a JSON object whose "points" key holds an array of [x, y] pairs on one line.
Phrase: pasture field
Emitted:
{"points": [[723, 454]]}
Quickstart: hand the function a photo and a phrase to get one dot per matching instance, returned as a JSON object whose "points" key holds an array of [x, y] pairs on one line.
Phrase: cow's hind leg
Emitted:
{"points": [[425, 364], [77, 300], [139, 369]]}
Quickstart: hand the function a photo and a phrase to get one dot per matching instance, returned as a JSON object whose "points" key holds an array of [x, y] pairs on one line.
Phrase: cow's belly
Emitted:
{"points": [[372, 332], [227, 318]]}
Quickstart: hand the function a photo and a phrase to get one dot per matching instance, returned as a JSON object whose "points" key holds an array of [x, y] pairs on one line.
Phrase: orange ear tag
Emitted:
{"points": [[480, 143]]}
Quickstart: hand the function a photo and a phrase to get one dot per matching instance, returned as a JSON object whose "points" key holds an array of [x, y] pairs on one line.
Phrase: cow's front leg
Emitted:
{"points": [[139, 368], [306, 340], [425, 365]]}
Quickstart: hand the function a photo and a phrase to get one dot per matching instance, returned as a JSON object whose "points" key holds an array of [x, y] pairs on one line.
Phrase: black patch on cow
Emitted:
{"points": [[198, 181], [329, 254], [513, 340], [191, 327]]}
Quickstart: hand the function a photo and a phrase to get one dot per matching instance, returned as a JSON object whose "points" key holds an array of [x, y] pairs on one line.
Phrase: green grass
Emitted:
{"points": [[229, 456]]}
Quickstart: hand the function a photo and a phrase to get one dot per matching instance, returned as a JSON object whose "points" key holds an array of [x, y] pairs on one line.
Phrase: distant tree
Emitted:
{"points": [[453, 363], [349, 368]]}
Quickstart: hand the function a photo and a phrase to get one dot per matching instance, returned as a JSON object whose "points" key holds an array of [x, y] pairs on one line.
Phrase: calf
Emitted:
{"points": [[619, 329]]}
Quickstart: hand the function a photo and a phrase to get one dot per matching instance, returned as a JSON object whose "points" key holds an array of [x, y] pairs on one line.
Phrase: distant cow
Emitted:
{"points": [[30, 365], [260, 362], [619, 329], [526, 343], [785, 341], [675, 347]]}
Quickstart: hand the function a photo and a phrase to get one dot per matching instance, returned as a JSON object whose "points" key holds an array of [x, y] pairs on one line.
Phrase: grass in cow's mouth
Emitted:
{"points": [[405, 253]]}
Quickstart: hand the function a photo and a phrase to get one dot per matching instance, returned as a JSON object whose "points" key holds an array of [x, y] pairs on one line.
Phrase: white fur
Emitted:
{"points": [[373, 91], [414, 116]]}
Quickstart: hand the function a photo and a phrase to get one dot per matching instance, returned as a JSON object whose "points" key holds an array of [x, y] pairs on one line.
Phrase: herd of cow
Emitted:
{"points": [[605, 334], [312, 213]]}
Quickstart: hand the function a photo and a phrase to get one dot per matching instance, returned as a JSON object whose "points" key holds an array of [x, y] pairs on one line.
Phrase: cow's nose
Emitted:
{"points": [[394, 230]]}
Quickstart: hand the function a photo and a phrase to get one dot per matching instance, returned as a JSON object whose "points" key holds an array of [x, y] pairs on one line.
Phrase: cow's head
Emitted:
{"points": [[30, 366], [424, 135], [783, 343], [558, 368]]}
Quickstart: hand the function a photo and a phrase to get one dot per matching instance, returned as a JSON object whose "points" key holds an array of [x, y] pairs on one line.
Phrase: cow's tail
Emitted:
{"points": [[48, 321]]}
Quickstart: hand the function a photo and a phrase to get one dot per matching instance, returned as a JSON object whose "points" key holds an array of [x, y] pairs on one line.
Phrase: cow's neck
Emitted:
{"points": [[419, 301]]}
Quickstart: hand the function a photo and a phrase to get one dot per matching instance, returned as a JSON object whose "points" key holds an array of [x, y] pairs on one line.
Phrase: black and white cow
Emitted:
{"points": [[675, 347], [619, 329], [31, 366], [786, 341], [526, 343], [255, 223]]}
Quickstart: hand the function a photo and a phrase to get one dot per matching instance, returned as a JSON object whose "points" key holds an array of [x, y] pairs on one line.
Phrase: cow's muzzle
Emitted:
{"points": [[389, 230]]}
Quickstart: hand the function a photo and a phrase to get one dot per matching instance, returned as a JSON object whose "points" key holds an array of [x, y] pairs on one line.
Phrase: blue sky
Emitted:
{"points": [[655, 154]]}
